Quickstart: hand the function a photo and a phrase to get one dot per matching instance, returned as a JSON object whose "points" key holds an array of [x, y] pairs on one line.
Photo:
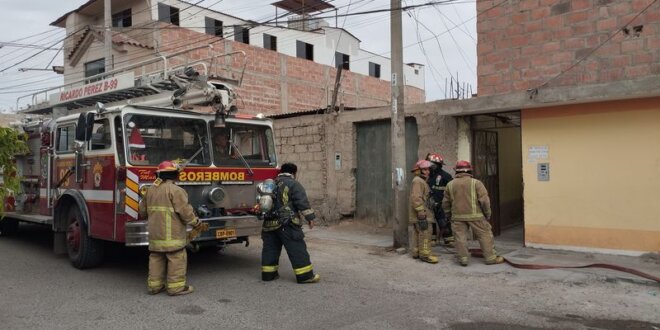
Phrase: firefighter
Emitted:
{"points": [[420, 215], [438, 182], [283, 227], [466, 204], [168, 211]]}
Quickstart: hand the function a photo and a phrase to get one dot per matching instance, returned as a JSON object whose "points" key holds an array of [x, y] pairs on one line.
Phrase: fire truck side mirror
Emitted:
{"points": [[85, 126]]}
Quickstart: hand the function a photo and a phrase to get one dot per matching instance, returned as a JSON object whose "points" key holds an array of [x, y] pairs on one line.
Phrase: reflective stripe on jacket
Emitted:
{"points": [[168, 211], [466, 199], [419, 200]]}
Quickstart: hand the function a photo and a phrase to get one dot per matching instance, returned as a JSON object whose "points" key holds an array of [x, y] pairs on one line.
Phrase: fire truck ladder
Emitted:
{"points": [[165, 83]]}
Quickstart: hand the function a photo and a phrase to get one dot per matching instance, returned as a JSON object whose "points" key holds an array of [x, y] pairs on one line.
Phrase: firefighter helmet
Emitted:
{"points": [[463, 166], [435, 158], [422, 164], [167, 166]]}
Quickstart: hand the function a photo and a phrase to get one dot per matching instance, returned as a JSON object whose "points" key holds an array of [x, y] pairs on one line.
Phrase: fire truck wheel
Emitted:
{"points": [[8, 227], [83, 251]]}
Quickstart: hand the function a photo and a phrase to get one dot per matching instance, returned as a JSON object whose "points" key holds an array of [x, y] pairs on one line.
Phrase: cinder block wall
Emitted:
{"points": [[275, 83], [300, 140], [311, 141], [524, 43]]}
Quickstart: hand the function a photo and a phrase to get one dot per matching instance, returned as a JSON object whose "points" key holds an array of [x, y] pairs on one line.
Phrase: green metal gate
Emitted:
{"points": [[374, 169]]}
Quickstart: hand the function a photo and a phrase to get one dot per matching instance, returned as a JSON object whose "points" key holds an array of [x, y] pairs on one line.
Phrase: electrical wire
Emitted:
{"points": [[348, 14], [612, 35]]}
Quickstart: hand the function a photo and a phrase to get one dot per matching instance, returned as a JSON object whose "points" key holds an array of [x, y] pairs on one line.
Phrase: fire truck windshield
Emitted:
{"points": [[253, 143], [151, 139]]}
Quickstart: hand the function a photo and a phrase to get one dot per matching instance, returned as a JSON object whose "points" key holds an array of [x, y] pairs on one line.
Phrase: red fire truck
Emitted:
{"points": [[86, 168]]}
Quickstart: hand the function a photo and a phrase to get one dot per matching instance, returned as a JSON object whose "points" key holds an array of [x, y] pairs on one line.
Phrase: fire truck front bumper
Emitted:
{"points": [[228, 229]]}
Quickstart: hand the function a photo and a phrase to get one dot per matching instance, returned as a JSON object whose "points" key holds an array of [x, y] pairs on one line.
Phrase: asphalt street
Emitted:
{"points": [[362, 287]]}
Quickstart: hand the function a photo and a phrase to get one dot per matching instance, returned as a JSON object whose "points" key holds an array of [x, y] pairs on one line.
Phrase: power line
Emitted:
{"points": [[172, 48]]}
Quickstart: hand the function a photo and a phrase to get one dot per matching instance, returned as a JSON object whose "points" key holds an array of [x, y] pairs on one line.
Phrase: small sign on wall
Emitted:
{"points": [[537, 153], [543, 171]]}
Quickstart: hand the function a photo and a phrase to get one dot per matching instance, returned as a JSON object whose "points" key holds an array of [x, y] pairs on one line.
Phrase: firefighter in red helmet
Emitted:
{"points": [[420, 215], [466, 204], [168, 212], [438, 181]]}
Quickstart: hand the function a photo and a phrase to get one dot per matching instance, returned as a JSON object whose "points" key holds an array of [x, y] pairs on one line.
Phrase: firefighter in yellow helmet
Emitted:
{"points": [[168, 211], [466, 204], [420, 215]]}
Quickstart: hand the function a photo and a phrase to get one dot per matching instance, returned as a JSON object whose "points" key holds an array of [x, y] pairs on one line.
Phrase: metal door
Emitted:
{"points": [[374, 169], [485, 162]]}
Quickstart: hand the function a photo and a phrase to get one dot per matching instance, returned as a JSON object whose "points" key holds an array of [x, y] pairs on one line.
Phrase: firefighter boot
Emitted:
{"points": [[314, 279], [429, 258], [495, 261], [463, 261], [425, 252], [153, 291], [186, 290]]}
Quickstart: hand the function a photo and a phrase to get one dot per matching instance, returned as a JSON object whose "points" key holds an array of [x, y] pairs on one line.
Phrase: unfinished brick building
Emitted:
{"points": [[280, 76]]}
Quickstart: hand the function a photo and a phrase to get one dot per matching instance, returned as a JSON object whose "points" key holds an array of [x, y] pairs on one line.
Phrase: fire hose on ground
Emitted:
{"points": [[477, 253]]}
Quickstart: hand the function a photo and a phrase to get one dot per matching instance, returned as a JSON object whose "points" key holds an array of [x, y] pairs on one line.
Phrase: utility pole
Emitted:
{"points": [[398, 130], [108, 34], [336, 90]]}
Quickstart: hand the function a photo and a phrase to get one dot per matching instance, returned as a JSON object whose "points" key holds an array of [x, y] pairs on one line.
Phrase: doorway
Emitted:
{"points": [[496, 148], [374, 169]]}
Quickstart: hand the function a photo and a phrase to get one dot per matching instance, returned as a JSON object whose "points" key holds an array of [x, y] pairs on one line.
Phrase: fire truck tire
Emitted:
{"points": [[84, 251], [8, 227]]}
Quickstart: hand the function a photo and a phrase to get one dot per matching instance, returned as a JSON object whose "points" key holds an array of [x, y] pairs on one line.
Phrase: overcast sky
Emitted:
{"points": [[447, 33]]}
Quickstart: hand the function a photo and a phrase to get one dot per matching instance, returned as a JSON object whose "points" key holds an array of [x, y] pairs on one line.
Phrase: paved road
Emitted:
{"points": [[362, 288]]}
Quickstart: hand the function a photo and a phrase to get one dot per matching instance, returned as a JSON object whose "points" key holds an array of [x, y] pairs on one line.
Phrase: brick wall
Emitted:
{"points": [[299, 140], [275, 83], [524, 43], [311, 142]]}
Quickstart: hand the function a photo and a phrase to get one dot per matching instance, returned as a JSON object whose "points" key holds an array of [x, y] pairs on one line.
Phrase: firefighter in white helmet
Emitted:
{"points": [[420, 215], [466, 204], [168, 211]]}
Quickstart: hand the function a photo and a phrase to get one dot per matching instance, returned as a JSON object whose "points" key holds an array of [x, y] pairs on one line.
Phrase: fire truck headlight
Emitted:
{"points": [[216, 195]]}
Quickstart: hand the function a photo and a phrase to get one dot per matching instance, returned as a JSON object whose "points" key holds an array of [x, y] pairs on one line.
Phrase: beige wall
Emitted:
{"points": [[311, 141], [604, 175]]}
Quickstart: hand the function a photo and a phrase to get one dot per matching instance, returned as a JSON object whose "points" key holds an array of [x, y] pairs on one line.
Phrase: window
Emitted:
{"points": [[213, 26], [374, 70], [66, 138], [270, 42], [304, 50], [168, 14], [342, 60], [254, 143], [100, 135], [93, 68], [242, 34], [150, 139], [122, 19]]}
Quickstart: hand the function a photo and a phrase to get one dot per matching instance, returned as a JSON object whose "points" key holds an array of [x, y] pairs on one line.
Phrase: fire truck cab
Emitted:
{"points": [[86, 170]]}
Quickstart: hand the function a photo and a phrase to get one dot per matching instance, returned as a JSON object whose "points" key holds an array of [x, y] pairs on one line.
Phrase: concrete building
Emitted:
{"points": [[288, 69], [564, 130], [590, 70]]}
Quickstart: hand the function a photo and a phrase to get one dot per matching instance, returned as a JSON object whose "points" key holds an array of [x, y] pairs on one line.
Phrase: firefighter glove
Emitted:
{"points": [[203, 226], [423, 224], [197, 230], [421, 215]]}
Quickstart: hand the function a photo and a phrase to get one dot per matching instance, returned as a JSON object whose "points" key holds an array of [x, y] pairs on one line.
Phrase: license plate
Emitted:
{"points": [[225, 233]]}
